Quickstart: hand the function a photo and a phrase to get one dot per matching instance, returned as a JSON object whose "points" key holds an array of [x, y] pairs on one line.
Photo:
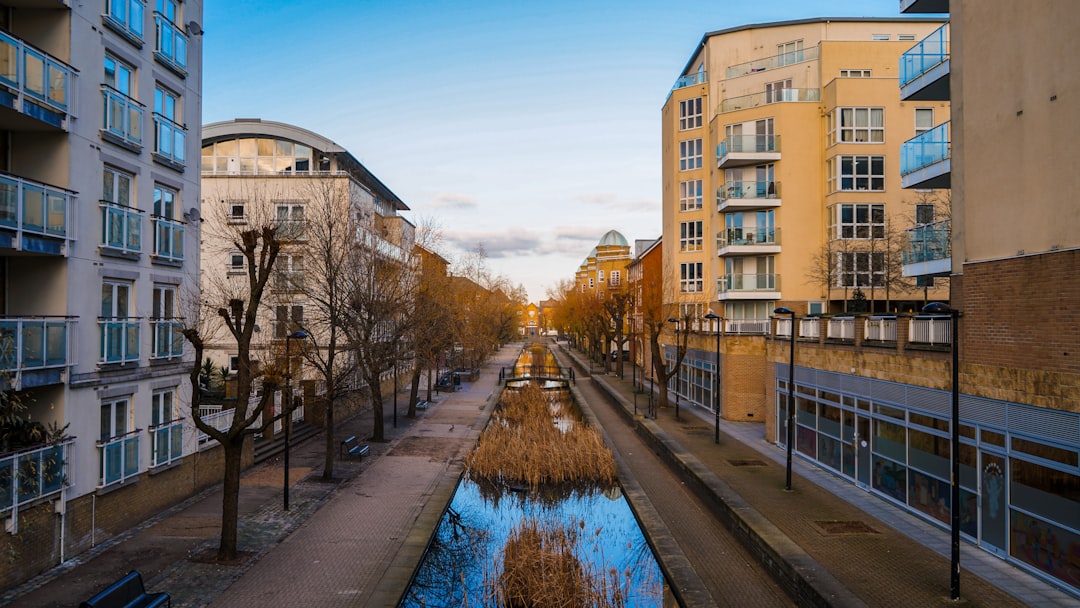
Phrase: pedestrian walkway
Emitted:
{"points": [[885, 556]]}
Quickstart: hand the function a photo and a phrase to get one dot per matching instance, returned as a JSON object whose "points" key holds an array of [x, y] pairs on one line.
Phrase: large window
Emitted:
{"points": [[857, 221], [690, 114], [122, 113], [165, 325], [690, 154], [690, 237], [690, 277], [126, 16], [168, 232], [861, 269], [170, 42], [169, 133], [789, 52], [857, 125], [119, 331], [120, 221], [290, 221], [166, 429], [117, 444], [690, 195], [616, 278], [924, 119], [287, 319], [856, 173], [256, 156]]}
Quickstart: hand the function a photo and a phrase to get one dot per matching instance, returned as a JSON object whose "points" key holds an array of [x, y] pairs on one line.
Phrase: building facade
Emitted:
{"points": [[100, 109]]}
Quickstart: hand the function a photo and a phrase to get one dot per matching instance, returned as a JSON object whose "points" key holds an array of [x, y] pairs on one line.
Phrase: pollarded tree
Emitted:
{"points": [[655, 312]]}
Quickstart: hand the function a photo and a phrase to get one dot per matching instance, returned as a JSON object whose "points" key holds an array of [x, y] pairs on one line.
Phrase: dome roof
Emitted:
{"points": [[613, 239]]}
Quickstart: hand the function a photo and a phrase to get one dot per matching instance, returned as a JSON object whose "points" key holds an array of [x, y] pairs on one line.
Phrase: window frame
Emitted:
{"points": [[871, 227], [128, 24], [690, 114], [837, 178], [691, 152], [838, 130], [691, 236], [691, 277], [870, 264], [691, 195]]}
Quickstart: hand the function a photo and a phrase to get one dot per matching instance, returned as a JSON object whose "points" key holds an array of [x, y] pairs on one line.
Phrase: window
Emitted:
{"points": [[858, 221], [600, 275], [690, 196], [690, 114], [168, 232], [854, 73], [234, 362], [237, 212], [592, 282], [774, 91], [690, 238], [120, 221], [616, 278], [906, 37], [114, 418], [924, 119], [290, 221], [122, 113], [119, 332], [852, 173], [236, 262], [287, 319], [119, 450], [789, 52], [126, 16], [690, 154], [857, 125], [289, 272], [170, 42], [166, 430], [169, 134], [690, 277], [165, 326], [861, 269], [880, 37], [924, 213], [119, 75]]}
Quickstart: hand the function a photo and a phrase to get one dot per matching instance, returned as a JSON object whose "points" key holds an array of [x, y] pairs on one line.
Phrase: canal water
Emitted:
{"points": [[465, 557]]}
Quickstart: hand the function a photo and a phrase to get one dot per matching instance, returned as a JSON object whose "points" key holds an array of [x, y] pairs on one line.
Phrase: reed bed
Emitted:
{"points": [[524, 446]]}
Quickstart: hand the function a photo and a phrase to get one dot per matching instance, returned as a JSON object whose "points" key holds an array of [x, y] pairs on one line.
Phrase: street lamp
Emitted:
{"points": [[938, 308], [299, 335], [716, 383], [676, 322], [790, 394]]}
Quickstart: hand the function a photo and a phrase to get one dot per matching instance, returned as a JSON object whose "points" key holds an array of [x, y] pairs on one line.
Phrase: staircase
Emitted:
{"points": [[267, 449]]}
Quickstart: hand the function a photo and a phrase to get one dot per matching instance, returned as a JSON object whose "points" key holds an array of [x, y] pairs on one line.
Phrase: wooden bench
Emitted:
{"points": [[352, 447], [127, 592]]}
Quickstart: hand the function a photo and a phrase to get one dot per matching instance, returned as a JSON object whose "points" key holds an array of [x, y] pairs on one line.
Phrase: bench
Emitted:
{"points": [[128, 591], [352, 447], [421, 405]]}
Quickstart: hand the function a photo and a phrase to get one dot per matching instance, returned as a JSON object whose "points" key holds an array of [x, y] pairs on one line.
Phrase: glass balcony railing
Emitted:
{"points": [[119, 339], [747, 237], [121, 227], [748, 282], [773, 62], [925, 149], [168, 239], [169, 139], [35, 208], [748, 143], [32, 474], [767, 97], [32, 343], [929, 243], [123, 116], [690, 80], [168, 341], [170, 44], [35, 83], [929, 52], [748, 190], [166, 442], [119, 458]]}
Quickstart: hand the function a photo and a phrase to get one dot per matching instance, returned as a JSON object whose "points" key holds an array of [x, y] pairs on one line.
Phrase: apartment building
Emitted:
{"points": [[99, 119]]}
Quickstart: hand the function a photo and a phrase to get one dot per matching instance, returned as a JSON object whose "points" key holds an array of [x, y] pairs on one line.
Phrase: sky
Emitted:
{"points": [[529, 129]]}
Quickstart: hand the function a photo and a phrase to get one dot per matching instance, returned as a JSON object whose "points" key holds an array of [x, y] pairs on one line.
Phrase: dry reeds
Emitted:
{"points": [[523, 445]]}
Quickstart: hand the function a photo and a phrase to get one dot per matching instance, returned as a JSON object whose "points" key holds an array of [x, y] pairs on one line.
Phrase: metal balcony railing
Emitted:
{"points": [[810, 328], [119, 458], [166, 442], [929, 52], [925, 149], [841, 328], [168, 341], [773, 62], [121, 227], [747, 327], [879, 329], [930, 330]]}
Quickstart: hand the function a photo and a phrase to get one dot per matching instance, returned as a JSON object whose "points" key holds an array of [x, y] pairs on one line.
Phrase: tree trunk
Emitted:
{"points": [[378, 432], [414, 391], [230, 498], [328, 416]]}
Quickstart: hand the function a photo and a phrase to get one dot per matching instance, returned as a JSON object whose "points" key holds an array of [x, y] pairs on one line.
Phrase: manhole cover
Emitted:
{"points": [[844, 527], [746, 463]]}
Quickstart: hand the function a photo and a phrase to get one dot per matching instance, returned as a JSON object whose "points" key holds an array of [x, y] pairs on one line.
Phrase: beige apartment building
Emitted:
{"points": [[100, 108]]}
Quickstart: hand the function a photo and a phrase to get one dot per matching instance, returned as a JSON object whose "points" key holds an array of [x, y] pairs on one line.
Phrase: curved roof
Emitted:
{"points": [[613, 238]]}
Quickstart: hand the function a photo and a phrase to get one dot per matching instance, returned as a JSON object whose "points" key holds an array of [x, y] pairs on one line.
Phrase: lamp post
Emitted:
{"points": [[790, 395], [676, 322], [716, 382], [633, 372], [938, 308], [287, 406]]}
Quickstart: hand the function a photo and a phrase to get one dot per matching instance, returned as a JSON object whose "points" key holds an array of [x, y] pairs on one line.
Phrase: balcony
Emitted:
{"points": [[121, 228], [840, 329], [773, 62], [34, 351], [930, 331], [748, 241], [690, 80], [745, 150], [33, 84], [35, 217], [168, 339], [30, 475], [747, 196], [169, 141], [168, 239], [119, 458], [924, 6], [166, 443], [748, 287], [929, 250], [119, 339], [924, 69], [170, 45], [926, 159], [764, 98], [747, 327], [879, 329], [122, 123]]}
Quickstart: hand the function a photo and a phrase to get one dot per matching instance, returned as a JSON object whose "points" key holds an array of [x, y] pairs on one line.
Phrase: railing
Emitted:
{"points": [[748, 282], [379, 245], [773, 62], [33, 343], [35, 208], [169, 139], [32, 474], [123, 116], [168, 238], [168, 341], [841, 328], [929, 52], [170, 44], [166, 442], [929, 242], [930, 330], [744, 190], [748, 236], [221, 420], [880, 329], [35, 76], [119, 458], [748, 143], [783, 328], [121, 227], [763, 98], [690, 80], [810, 328], [925, 149], [747, 327], [119, 339]]}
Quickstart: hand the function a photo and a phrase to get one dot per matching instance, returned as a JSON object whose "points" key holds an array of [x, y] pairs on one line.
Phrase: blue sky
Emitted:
{"points": [[531, 128]]}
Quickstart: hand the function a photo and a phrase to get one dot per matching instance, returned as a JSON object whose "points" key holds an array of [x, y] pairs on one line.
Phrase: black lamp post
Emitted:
{"points": [[287, 405], [938, 308], [716, 382], [633, 371], [676, 322], [790, 395]]}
